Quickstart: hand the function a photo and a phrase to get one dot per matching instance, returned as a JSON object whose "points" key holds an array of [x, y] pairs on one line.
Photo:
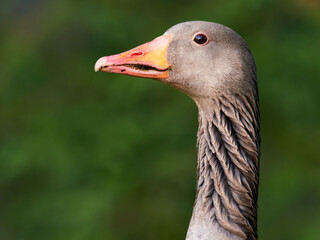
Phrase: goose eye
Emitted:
{"points": [[200, 39]]}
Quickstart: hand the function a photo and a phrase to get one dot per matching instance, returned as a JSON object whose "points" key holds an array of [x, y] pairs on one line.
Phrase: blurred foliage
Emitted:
{"points": [[88, 155]]}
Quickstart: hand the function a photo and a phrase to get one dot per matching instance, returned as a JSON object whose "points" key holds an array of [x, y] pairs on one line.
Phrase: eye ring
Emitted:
{"points": [[201, 39]]}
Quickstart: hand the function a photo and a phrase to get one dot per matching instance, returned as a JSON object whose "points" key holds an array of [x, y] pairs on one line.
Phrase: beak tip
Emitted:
{"points": [[100, 64]]}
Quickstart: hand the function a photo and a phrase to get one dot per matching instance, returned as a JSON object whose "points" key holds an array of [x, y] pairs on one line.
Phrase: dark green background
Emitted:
{"points": [[88, 155]]}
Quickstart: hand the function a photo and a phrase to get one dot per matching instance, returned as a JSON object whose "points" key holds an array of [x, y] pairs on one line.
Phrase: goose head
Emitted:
{"points": [[201, 59]]}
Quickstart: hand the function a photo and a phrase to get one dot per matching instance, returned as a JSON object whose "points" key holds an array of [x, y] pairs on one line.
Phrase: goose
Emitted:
{"points": [[213, 65]]}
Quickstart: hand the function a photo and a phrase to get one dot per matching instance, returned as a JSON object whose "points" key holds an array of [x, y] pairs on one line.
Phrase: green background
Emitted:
{"points": [[87, 155]]}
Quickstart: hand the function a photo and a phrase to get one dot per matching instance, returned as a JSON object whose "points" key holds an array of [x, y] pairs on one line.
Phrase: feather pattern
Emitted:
{"points": [[228, 164]]}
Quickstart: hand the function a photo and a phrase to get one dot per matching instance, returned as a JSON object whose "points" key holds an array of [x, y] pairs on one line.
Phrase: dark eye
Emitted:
{"points": [[200, 39]]}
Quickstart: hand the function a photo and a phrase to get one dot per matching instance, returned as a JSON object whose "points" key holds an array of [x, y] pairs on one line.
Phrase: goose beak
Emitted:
{"points": [[147, 60]]}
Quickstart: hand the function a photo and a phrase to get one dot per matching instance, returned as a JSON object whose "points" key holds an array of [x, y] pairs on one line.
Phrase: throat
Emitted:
{"points": [[228, 167]]}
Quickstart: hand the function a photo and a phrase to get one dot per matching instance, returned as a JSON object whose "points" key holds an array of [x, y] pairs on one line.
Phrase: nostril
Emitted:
{"points": [[136, 54]]}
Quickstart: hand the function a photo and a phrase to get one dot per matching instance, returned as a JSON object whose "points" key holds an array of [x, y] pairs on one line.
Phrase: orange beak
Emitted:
{"points": [[147, 60]]}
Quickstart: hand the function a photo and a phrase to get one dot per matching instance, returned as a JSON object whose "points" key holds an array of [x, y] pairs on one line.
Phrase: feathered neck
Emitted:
{"points": [[228, 169]]}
